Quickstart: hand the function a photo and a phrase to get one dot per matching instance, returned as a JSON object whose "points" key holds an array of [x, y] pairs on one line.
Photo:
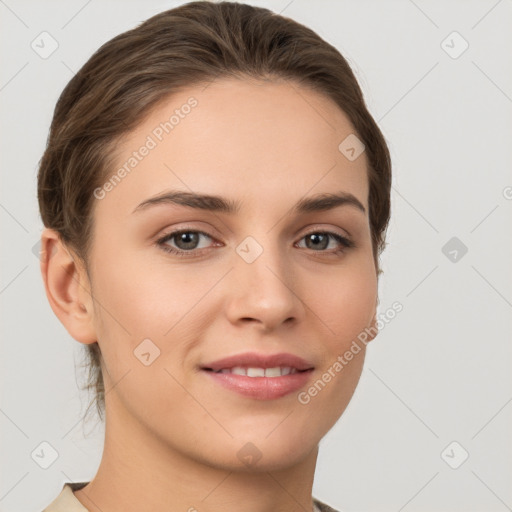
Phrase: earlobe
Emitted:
{"points": [[372, 329], [67, 287]]}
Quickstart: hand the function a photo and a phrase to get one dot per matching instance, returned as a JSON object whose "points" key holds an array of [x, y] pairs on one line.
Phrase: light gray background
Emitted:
{"points": [[439, 372]]}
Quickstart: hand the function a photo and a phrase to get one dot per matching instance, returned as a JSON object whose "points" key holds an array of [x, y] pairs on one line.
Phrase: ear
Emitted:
{"points": [[67, 287], [372, 329]]}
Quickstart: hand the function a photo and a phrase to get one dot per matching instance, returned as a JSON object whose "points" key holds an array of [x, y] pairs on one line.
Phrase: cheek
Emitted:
{"points": [[143, 300], [348, 304]]}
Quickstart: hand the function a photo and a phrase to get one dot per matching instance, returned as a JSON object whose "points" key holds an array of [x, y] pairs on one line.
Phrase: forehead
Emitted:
{"points": [[246, 139]]}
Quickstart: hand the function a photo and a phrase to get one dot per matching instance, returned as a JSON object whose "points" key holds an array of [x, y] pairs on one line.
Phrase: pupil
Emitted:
{"points": [[189, 239], [316, 237]]}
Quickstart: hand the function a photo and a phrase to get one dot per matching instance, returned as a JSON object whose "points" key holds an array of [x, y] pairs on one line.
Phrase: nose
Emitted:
{"points": [[263, 290]]}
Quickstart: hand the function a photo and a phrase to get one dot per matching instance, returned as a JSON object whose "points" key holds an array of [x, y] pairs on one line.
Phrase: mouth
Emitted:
{"points": [[276, 371], [253, 363], [259, 376]]}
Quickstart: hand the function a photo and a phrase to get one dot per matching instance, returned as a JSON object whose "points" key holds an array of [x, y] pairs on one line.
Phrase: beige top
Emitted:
{"points": [[67, 502]]}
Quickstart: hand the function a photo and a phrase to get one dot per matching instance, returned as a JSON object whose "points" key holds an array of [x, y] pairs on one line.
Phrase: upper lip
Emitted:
{"points": [[256, 360]]}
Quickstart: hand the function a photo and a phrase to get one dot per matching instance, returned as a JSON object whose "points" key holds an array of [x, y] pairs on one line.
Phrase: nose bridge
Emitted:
{"points": [[261, 258], [264, 289]]}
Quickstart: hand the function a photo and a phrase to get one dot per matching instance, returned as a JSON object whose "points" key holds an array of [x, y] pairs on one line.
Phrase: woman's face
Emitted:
{"points": [[265, 279]]}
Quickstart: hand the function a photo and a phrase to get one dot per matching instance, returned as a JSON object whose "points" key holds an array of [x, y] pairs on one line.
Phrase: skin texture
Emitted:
{"points": [[171, 435]]}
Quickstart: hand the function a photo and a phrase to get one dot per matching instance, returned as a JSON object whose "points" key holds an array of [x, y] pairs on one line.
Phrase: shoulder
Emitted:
{"points": [[322, 507], [66, 500]]}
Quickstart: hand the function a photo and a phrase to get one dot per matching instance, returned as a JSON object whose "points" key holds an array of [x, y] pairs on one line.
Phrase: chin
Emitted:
{"points": [[263, 452]]}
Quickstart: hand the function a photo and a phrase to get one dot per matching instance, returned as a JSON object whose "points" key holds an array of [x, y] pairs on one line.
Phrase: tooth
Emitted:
{"points": [[255, 372], [273, 372], [259, 372]]}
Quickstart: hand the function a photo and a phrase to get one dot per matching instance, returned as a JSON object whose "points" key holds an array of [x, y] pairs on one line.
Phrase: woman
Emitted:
{"points": [[215, 197]]}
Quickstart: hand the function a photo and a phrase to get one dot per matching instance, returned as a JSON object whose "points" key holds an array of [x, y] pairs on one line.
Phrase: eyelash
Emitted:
{"points": [[345, 242]]}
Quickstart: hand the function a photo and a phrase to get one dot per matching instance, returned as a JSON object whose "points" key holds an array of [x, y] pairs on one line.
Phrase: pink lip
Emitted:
{"points": [[255, 360], [261, 388]]}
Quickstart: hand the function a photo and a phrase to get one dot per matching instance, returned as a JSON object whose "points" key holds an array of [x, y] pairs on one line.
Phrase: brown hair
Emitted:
{"points": [[191, 44]]}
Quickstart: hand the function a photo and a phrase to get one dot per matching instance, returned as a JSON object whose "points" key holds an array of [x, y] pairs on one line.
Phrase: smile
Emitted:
{"points": [[277, 371], [260, 383]]}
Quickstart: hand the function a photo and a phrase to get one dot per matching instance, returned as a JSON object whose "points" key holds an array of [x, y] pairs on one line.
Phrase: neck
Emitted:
{"points": [[140, 472]]}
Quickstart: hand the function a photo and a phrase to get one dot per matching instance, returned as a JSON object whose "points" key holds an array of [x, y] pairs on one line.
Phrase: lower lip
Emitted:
{"points": [[262, 388]]}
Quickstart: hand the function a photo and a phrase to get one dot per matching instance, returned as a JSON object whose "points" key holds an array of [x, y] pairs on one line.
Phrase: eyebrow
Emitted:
{"points": [[317, 203]]}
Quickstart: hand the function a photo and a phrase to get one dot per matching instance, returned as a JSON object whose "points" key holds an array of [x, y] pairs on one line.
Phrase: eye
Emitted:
{"points": [[319, 241], [186, 241]]}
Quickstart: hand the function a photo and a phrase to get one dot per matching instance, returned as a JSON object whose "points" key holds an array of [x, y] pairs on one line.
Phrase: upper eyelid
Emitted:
{"points": [[177, 231]]}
